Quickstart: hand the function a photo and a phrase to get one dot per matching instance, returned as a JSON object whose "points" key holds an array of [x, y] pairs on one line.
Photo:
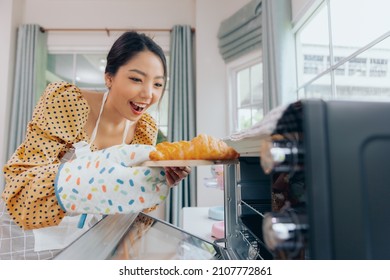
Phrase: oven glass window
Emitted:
{"points": [[148, 238]]}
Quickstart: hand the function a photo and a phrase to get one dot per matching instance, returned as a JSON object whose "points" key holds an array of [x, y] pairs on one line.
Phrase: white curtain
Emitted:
{"points": [[181, 116], [29, 81]]}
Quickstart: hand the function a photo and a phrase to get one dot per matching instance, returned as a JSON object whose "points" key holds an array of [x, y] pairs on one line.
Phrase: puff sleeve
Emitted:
{"points": [[58, 121], [146, 131]]}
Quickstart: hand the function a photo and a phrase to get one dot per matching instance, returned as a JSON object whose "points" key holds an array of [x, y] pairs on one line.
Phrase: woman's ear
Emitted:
{"points": [[108, 80]]}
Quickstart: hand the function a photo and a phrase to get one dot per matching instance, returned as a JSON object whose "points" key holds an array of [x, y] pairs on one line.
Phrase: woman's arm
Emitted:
{"points": [[58, 121]]}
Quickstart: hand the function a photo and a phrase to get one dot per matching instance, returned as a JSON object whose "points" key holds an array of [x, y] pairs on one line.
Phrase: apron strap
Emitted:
{"points": [[94, 133], [93, 136], [126, 131]]}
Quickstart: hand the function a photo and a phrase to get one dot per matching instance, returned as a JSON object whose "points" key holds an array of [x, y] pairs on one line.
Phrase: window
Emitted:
{"points": [[357, 67], [85, 70], [313, 64], [340, 70], [378, 67], [341, 56], [246, 91]]}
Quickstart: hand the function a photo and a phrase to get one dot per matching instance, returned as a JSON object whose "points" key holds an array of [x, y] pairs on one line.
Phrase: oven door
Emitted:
{"points": [[140, 236]]}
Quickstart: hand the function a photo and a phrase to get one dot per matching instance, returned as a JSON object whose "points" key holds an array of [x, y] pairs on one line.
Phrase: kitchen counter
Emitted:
{"points": [[197, 222]]}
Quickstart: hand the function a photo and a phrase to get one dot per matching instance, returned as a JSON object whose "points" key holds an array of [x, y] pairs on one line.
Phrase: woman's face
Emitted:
{"points": [[137, 85]]}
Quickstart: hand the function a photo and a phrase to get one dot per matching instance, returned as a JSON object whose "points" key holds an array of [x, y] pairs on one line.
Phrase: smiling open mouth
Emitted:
{"points": [[139, 107]]}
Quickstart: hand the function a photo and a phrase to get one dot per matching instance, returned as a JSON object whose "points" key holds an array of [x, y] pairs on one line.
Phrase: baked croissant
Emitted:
{"points": [[203, 147]]}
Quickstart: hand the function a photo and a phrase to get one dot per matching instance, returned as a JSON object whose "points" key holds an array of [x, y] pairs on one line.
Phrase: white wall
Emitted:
{"points": [[109, 13], [211, 84], [10, 17]]}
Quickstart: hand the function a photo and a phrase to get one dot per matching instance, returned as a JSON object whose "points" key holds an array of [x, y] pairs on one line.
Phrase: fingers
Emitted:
{"points": [[170, 175], [175, 174]]}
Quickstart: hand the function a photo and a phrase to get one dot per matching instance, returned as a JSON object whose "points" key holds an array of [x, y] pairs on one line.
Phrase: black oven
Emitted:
{"points": [[327, 191], [316, 186]]}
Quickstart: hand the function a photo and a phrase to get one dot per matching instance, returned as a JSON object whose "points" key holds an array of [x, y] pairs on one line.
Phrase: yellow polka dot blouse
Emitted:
{"points": [[58, 122]]}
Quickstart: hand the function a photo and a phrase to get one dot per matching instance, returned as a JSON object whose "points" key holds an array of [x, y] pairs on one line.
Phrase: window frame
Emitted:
{"points": [[232, 69], [338, 65]]}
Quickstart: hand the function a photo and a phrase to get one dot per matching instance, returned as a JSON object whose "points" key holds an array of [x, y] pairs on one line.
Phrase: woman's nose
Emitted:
{"points": [[147, 91]]}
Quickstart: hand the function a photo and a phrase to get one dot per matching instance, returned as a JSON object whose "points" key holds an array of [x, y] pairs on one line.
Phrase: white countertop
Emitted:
{"points": [[197, 222]]}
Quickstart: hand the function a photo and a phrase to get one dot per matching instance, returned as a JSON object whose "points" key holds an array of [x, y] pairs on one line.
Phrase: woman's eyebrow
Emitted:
{"points": [[144, 74]]}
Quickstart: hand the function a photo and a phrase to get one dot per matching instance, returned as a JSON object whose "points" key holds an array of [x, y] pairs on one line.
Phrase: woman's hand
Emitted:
{"points": [[175, 174]]}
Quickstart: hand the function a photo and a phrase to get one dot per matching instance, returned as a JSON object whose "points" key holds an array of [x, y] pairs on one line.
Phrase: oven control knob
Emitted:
{"points": [[284, 231]]}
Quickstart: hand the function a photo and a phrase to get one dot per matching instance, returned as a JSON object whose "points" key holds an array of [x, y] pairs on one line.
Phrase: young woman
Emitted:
{"points": [[82, 152]]}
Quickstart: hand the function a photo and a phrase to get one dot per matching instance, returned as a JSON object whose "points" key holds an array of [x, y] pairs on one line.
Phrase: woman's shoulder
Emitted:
{"points": [[94, 99], [61, 95], [61, 89], [60, 102]]}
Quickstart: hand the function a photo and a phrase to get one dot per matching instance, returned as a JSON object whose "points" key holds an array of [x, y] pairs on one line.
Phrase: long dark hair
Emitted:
{"points": [[127, 46]]}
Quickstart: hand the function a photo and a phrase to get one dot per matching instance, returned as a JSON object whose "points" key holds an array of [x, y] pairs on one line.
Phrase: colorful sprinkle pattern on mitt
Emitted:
{"points": [[104, 182]]}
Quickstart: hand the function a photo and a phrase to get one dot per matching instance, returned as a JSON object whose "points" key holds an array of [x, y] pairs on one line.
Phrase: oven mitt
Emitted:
{"points": [[104, 182]]}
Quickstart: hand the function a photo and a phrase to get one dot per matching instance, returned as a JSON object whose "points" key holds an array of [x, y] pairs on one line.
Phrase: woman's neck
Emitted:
{"points": [[111, 116]]}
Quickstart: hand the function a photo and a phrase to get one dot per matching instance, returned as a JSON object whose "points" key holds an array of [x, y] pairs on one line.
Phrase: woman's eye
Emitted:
{"points": [[158, 85], [135, 79]]}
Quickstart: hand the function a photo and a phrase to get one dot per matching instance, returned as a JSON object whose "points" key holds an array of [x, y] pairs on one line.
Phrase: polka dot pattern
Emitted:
{"points": [[58, 121], [146, 131]]}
